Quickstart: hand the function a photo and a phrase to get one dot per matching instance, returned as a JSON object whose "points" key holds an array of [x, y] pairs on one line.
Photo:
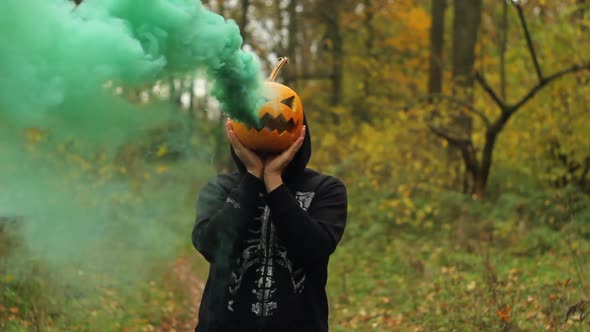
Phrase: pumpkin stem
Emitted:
{"points": [[275, 72]]}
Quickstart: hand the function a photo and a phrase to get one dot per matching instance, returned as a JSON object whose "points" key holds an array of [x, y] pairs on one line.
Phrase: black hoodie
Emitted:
{"points": [[268, 252]]}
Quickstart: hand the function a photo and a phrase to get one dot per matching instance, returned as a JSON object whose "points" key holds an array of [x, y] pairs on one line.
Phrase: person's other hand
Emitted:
{"points": [[251, 160], [274, 165]]}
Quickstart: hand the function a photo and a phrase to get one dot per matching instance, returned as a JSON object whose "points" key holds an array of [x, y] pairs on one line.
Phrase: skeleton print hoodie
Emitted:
{"points": [[268, 252]]}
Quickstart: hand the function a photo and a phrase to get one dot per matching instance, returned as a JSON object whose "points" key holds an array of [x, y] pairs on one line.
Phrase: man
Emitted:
{"points": [[267, 231]]}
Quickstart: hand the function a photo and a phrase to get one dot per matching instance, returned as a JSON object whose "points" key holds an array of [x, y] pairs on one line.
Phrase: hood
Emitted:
{"points": [[298, 163]]}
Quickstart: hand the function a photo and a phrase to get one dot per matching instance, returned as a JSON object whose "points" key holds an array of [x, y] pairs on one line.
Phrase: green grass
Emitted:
{"points": [[507, 265], [517, 262]]}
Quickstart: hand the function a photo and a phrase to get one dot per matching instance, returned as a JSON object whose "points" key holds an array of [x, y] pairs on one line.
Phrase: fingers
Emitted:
{"points": [[303, 129], [247, 156], [231, 136], [278, 163], [292, 150], [299, 142], [228, 128]]}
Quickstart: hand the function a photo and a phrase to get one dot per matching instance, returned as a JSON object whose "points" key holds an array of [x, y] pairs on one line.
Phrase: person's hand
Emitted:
{"points": [[251, 160], [274, 165]]}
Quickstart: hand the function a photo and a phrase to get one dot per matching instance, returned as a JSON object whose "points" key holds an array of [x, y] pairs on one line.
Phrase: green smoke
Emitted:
{"points": [[63, 123], [52, 53]]}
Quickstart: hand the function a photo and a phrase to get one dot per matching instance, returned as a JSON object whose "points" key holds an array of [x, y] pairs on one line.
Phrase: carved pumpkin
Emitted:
{"points": [[281, 118]]}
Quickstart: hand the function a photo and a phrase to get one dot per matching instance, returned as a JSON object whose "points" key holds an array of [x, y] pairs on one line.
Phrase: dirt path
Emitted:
{"points": [[183, 273]]}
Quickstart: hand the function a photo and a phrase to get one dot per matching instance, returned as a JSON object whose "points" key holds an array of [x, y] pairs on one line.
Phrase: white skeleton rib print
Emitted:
{"points": [[264, 253]]}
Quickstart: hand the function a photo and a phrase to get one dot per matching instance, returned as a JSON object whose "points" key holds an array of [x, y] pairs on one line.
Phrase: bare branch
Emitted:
{"points": [[544, 82], [429, 98], [459, 102], [529, 40], [490, 91], [459, 142]]}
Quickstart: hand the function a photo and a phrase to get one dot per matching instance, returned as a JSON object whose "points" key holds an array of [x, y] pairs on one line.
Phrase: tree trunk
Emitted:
{"points": [[581, 13], [487, 156], [437, 40], [280, 47], [221, 7], [466, 22], [369, 44], [335, 37], [291, 70], [503, 47], [244, 20]]}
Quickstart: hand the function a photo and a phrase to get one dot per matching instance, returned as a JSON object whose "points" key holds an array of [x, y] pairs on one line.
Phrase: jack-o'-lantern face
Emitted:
{"points": [[281, 118]]}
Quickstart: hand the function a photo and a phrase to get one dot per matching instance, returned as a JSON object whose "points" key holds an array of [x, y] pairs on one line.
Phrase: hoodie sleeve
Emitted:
{"points": [[223, 214], [310, 236]]}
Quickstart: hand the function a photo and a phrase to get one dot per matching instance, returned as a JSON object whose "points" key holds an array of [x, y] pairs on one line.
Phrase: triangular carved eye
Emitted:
{"points": [[288, 101]]}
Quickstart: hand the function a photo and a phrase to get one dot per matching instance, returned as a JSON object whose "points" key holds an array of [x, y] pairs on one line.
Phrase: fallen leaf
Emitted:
{"points": [[504, 314]]}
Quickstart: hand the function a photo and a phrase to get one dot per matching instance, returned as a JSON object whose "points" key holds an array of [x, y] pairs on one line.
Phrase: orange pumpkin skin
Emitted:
{"points": [[282, 117]]}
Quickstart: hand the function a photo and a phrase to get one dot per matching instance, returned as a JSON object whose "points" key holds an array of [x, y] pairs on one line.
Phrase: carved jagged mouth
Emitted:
{"points": [[278, 123]]}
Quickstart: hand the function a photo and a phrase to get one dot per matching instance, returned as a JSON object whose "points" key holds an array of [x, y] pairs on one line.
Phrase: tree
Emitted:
{"points": [[293, 32], [466, 21], [244, 19], [334, 43], [437, 43], [503, 45], [479, 166]]}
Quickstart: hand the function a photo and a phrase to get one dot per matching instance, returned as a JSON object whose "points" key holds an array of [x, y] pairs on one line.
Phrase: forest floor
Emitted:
{"points": [[517, 264], [184, 317]]}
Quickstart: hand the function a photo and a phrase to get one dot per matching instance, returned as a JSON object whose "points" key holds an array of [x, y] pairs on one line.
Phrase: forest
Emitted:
{"points": [[461, 130]]}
